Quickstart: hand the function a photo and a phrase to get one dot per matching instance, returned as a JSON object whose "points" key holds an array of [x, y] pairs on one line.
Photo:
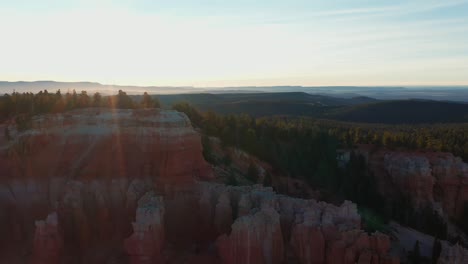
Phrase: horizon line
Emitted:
{"points": [[235, 86]]}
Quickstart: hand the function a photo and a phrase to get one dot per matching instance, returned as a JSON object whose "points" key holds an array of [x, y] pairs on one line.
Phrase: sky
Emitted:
{"points": [[210, 43]]}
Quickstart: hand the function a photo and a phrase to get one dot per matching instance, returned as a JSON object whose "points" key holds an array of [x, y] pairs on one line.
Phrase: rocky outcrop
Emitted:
{"points": [[124, 182], [272, 228], [223, 214], [324, 237], [451, 175], [106, 143], [455, 254], [92, 166], [411, 173], [425, 178], [48, 241], [145, 245], [255, 238]]}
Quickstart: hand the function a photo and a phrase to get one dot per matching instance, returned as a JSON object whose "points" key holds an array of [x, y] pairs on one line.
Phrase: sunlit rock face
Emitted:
{"points": [[104, 143], [91, 166]]}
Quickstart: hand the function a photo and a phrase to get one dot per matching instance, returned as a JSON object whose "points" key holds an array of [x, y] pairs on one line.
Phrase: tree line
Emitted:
{"points": [[20, 104], [297, 151]]}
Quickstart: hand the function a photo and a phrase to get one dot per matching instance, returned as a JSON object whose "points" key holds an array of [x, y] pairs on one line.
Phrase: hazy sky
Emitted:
{"points": [[225, 43]]}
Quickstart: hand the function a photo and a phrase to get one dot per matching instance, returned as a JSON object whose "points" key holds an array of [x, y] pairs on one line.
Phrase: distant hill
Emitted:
{"points": [[90, 87], [265, 104], [439, 93], [358, 109], [403, 112]]}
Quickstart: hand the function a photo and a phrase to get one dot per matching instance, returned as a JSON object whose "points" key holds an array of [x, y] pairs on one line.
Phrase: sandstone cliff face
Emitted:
{"points": [[273, 228], [425, 178], [145, 245], [453, 254], [451, 175], [91, 166], [412, 174], [126, 181], [255, 238], [48, 241], [104, 143]]}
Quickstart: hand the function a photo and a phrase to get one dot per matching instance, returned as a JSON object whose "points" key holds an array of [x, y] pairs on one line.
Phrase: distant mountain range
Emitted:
{"points": [[441, 93], [336, 103]]}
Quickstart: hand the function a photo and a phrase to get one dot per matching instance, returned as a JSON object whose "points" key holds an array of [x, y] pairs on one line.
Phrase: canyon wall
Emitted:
{"points": [[124, 186], [452, 254], [273, 228], [91, 166], [435, 179]]}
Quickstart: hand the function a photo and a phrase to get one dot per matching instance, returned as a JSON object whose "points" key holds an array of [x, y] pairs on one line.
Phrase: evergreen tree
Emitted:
{"points": [[231, 180], [436, 250], [207, 150], [7, 133], [124, 101], [97, 99], [147, 101], [415, 255], [267, 180], [252, 172]]}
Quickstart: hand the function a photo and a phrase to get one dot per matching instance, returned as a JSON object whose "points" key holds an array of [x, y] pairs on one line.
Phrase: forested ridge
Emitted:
{"points": [[404, 112], [12, 105], [306, 148], [451, 138]]}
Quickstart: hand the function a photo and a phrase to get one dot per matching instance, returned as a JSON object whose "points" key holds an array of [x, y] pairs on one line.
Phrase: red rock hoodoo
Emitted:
{"points": [[273, 228], [426, 178], [145, 245], [48, 241], [125, 188]]}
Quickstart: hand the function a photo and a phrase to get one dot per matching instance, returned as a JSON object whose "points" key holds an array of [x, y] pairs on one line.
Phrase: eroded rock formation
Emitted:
{"points": [[145, 245], [273, 228], [412, 174], [455, 254], [91, 166], [48, 241], [125, 182], [426, 178], [106, 143], [255, 238]]}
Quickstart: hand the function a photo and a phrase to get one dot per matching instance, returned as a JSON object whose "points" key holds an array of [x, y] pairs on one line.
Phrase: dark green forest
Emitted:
{"points": [[355, 109], [44, 102]]}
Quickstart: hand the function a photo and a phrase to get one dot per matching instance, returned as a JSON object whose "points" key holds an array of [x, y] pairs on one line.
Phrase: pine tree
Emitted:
{"points": [[252, 173], [267, 180], [147, 101], [436, 250], [415, 255], [7, 133]]}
